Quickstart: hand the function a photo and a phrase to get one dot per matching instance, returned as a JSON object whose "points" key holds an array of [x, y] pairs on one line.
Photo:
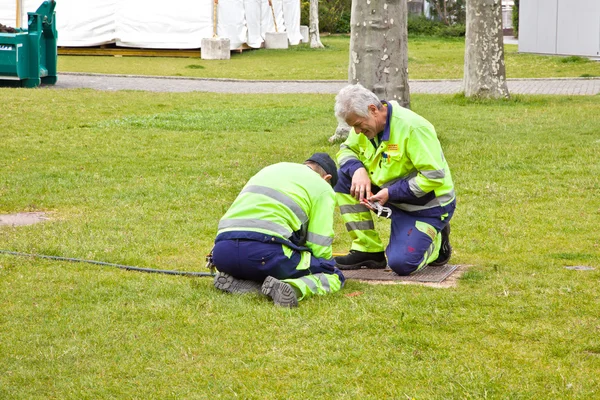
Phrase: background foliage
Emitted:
{"points": [[515, 19], [419, 25], [334, 17], [449, 12]]}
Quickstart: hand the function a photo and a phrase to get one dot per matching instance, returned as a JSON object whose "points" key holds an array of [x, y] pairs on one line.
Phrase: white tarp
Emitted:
{"points": [[172, 24]]}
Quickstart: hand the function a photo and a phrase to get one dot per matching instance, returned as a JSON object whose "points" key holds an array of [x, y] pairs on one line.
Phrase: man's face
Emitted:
{"points": [[370, 125]]}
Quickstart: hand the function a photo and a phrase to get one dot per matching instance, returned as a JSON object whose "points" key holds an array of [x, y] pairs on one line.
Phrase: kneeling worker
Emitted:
{"points": [[276, 237], [393, 157]]}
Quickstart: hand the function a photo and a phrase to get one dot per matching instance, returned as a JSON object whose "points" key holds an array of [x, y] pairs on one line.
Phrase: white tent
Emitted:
{"points": [[172, 24]]}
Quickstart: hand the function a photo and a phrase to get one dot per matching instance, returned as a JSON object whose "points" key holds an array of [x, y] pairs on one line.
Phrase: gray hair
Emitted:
{"points": [[355, 99]]}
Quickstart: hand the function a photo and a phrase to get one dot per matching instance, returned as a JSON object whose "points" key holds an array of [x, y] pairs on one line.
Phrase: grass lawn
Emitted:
{"points": [[143, 178], [429, 58]]}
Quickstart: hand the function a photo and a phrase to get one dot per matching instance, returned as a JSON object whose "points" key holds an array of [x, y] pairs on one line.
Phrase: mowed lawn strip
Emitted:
{"points": [[429, 58], [142, 179]]}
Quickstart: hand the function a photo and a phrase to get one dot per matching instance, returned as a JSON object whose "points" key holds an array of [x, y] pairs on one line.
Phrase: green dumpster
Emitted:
{"points": [[28, 57]]}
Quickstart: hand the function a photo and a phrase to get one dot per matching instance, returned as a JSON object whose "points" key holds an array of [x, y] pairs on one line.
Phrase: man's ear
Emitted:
{"points": [[327, 178], [373, 108]]}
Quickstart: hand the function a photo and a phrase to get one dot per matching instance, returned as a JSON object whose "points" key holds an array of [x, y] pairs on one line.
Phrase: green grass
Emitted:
{"points": [[429, 58], [143, 178]]}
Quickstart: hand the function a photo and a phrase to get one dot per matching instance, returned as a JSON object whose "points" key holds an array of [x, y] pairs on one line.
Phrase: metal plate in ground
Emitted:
{"points": [[427, 274], [580, 268]]}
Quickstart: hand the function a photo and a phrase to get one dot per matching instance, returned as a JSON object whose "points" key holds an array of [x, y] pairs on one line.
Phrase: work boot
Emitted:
{"points": [[283, 294], [361, 259], [445, 249], [228, 283]]}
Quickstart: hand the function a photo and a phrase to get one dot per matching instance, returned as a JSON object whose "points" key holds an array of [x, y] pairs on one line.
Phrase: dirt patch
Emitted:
{"points": [[22, 219], [7, 29], [450, 281]]}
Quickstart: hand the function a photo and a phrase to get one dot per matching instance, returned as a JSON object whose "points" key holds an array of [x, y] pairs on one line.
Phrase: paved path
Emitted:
{"points": [[562, 86]]}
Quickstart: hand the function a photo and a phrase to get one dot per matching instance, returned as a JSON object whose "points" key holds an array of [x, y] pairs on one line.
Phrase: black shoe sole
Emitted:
{"points": [[369, 264], [228, 283], [283, 294]]}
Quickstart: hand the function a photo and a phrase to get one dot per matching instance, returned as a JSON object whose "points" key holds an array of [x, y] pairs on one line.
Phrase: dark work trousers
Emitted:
{"points": [[414, 237], [253, 260]]}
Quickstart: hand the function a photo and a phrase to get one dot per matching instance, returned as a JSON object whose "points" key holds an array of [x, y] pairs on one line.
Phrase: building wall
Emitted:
{"points": [[565, 27]]}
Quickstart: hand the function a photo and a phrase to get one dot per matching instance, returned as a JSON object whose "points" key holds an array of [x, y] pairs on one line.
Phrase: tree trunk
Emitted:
{"points": [[485, 73], [379, 51], [313, 28]]}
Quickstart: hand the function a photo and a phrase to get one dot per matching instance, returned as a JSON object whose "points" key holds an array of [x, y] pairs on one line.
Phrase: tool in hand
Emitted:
{"points": [[377, 208]]}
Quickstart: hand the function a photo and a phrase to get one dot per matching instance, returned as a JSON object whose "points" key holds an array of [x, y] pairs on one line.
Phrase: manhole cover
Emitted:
{"points": [[580, 268], [21, 219], [427, 274]]}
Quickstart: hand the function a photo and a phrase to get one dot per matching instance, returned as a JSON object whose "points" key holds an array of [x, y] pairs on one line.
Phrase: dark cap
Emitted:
{"points": [[325, 162]]}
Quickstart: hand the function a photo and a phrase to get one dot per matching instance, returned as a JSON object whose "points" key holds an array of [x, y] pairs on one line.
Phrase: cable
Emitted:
{"points": [[126, 267]]}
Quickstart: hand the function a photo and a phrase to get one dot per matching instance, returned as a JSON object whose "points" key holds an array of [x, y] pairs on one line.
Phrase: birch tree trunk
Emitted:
{"points": [[485, 73], [378, 52], [313, 28]]}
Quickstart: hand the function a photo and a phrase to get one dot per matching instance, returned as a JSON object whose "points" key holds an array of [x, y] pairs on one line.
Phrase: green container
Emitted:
{"points": [[29, 57]]}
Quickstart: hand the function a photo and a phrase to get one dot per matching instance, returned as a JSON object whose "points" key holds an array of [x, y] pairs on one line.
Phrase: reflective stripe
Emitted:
{"points": [[348, 158], [319, 239], [324, 281], [407, 177], [353, 209], [427, 255], [256, 224], [437, 174], [417, 191], [312, 286], [280, 197], [437, 202], [360, 226], [344, 146]]}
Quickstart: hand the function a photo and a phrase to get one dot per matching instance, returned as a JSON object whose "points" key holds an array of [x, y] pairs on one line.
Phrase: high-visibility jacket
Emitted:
{"points": [[286, 203], [406, 158]]}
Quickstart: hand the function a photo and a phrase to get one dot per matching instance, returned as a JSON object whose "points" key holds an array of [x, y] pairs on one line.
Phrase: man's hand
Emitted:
{"points": [[381, 197], [361, 184]]}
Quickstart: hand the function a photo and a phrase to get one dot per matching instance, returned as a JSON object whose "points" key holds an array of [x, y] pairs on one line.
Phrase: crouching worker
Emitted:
{"points": [[393, 157], [276, 237]]}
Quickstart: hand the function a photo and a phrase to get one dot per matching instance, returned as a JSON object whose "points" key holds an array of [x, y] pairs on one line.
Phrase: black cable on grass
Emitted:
{"points": [[126, 267]]}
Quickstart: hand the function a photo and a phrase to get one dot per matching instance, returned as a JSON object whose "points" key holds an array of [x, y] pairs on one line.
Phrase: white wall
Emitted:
{"points": [[565, 27]]}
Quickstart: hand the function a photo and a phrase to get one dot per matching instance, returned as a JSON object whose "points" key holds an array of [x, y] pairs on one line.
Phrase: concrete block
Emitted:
{"points": [[276, 40], [215, 49], [304, 33]]}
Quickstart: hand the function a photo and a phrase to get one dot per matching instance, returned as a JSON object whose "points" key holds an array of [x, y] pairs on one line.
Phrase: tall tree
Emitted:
{"points": [[313, 30], [485, 73], [378, 51]]}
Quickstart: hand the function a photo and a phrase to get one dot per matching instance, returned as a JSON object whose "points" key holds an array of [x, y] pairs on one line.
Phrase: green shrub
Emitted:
{"points": [[419, 25], [515, 19], [334, 15], [456, 30], [574, 59]]}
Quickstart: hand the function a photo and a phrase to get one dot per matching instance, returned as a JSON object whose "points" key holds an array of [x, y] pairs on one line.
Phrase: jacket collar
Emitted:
{"points": [[386, 131]]}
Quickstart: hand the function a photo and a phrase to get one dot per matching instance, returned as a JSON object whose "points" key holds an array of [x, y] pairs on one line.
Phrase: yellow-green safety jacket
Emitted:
{"points": [[286, 203], [407, 159]]}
